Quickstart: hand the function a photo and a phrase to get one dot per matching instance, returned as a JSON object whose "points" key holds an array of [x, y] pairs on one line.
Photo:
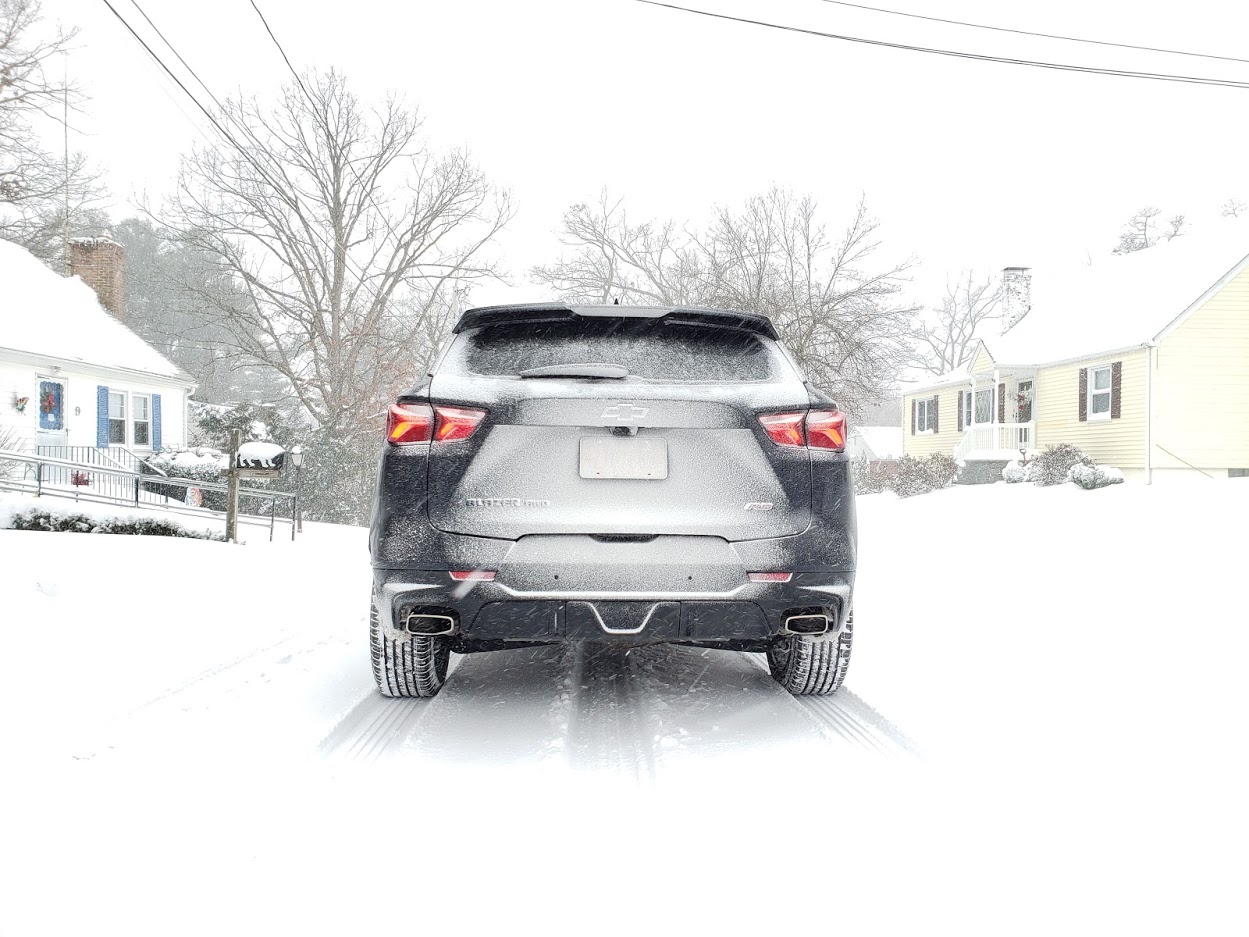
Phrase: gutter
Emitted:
{"points": [[39, 358]]}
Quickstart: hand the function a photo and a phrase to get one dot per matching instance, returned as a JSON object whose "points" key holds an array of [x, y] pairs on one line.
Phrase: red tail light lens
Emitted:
{"points": [[456, 423], [784, 429], [826, 429], [472, 575], [769, 577], [408, 423]]}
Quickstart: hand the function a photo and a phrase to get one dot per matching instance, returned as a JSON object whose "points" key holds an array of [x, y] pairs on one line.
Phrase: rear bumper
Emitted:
{"points": [[490, 612]]}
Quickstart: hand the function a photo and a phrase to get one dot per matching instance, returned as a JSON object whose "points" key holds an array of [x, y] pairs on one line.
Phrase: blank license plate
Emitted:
{"points": [[604, 457]]}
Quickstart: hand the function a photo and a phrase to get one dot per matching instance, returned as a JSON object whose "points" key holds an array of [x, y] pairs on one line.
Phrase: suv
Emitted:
{"points": [[623, 474]]}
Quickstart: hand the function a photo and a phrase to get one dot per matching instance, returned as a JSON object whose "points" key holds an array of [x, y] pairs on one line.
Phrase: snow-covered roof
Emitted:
{"points": [[1120, 301], [42, 313], [884, 441], [960, 375]]}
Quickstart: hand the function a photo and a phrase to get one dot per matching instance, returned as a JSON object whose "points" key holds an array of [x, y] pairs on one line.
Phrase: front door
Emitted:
{"points": [[50, 430], [1024, 398]]}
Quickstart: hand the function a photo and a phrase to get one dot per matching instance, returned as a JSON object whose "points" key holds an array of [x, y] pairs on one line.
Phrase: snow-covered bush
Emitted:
{"points": [[1095, 476], [196, 463], [1014, 472], [920, 476], [58, 521], [1051, 466], [872, 477]]}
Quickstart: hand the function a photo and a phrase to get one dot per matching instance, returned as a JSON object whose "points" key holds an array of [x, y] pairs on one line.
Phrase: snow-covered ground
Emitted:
{"points": [[1041, 733]]}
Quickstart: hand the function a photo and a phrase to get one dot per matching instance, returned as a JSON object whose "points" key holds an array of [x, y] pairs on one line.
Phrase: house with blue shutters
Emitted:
{"points": [[75, 382]]}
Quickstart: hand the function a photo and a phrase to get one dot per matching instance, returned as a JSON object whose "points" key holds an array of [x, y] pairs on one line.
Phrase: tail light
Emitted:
{"points": [[456, 423], [784, 429], [826, 429], [815, 429], [472, 575], [408, 423], [769, 577]]}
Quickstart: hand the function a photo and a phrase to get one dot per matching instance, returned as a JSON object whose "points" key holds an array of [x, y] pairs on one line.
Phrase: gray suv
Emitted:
{"points": [[621, 474]]}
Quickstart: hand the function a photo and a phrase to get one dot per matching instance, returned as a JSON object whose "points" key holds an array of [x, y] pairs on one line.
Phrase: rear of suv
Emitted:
{"points": [[622, 474]]}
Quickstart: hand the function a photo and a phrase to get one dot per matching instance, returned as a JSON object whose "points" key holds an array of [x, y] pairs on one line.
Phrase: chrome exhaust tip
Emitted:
{"points": [[427, 625], [807, 624]]}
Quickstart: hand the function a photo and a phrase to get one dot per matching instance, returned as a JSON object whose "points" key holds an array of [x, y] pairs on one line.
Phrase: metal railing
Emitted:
{"points": [[92, 482]]}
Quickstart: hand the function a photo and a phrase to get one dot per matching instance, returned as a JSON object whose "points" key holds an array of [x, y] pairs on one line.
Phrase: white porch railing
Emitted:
{"points": [[996, 437]]}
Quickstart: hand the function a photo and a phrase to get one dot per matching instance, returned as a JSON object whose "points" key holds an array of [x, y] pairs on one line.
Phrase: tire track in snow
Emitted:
{"points": [[608, 726], [847, 716]]}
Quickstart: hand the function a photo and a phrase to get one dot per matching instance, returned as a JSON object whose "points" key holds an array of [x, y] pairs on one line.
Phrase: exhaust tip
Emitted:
{"points": [[807, 624], [428, 623]]}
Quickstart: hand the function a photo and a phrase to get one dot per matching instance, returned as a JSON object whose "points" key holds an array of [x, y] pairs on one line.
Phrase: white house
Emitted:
{"points": [[73, 377]]}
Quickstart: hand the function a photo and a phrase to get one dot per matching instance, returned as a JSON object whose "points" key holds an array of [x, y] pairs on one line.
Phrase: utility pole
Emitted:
{"points": [[65, 127], [232, 493]]}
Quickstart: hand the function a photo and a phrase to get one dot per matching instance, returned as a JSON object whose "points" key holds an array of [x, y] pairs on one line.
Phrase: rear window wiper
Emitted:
{"points": [[613, 371]]}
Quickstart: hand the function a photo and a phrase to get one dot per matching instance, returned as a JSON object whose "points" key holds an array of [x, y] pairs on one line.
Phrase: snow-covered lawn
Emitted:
{"points": [[1041, 733]]}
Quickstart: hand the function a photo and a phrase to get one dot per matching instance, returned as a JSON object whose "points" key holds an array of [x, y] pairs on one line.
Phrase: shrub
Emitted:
{"points": [[1051, 466], [198, 463], [1014, 472], [920, 476], [41, 519], [872, 477], [1096, 476]]}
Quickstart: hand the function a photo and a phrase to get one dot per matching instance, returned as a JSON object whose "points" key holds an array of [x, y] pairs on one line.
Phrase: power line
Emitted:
{"points": [[1026, 32], [973, 56]]}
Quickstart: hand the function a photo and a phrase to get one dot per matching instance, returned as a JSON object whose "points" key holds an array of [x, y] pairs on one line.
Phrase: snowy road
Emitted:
{"points": [[199, 749]]}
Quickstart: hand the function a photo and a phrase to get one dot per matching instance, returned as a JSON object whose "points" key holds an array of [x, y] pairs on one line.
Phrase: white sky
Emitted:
{"points": [[966, 164]]}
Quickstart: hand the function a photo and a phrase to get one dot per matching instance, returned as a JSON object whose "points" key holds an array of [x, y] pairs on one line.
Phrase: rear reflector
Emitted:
{"points": [[462, 575], [409, 423], [784, 429], [826, 429], [455, 423], [769, 577]]}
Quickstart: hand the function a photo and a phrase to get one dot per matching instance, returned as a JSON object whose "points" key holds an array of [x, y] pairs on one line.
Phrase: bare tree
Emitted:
{"points": [[947, 336], [1175, 227], [1234, 208], [837, 311], [346, 235], [35, 185], [1137, 234]]}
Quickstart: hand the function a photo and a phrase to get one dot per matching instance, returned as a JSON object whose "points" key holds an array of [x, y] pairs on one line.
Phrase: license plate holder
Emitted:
{"points": [[635, 457]]}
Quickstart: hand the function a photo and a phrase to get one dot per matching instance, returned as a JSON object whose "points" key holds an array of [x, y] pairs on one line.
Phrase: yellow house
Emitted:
{"points": [[1141, 360]]}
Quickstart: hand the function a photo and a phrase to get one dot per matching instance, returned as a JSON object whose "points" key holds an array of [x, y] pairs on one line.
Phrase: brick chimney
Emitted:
{"points": [[100, 262], [1016, 295]]}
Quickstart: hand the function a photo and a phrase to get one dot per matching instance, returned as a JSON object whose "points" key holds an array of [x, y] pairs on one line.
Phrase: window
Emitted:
{"points": [[967, 409], [925, 415], [142, 429], [116, 418], [984, 406], [649, 349], [1099, 393]]}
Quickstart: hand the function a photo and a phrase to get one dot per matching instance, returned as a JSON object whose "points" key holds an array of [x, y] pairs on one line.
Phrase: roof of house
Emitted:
{"points": [[1121, 300], [42, 313], [884, 441]]}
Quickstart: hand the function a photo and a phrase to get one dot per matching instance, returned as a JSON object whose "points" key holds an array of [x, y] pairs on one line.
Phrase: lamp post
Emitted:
{"points": [[297, 460]]}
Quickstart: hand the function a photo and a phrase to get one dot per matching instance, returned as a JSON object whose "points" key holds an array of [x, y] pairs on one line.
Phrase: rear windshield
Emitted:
{"points": [[646, 348]]}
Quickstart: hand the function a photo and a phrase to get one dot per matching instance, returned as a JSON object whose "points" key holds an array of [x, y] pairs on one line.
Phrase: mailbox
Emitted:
{"points": [[260, 460]]}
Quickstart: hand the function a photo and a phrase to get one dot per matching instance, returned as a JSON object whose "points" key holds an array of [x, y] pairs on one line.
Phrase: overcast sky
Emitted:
{"points": [[966, 164]]}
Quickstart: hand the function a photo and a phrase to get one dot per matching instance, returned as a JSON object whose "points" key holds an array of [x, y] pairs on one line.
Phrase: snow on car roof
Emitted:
{"points": [[45, 314], [1120, 301]]}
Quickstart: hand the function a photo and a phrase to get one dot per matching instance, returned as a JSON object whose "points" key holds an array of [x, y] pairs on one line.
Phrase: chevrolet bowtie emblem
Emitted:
{"points": [[625, 414]]}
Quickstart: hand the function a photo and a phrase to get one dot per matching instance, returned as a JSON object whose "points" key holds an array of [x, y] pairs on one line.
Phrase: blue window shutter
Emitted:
{"points": [[156, 422], [101, 416]]}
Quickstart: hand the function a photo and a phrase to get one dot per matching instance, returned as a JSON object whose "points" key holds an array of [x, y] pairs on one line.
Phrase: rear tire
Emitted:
{"points": [[812, 665], [407, 665]]}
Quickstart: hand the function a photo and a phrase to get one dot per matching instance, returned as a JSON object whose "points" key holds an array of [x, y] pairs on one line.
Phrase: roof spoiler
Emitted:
{"points": [[557, 312]]}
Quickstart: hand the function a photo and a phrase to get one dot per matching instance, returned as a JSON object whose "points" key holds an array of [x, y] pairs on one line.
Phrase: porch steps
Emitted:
{"points": [[980, 472]]}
